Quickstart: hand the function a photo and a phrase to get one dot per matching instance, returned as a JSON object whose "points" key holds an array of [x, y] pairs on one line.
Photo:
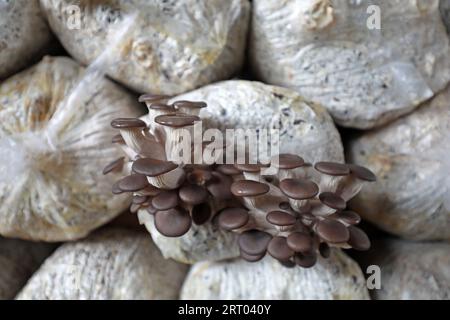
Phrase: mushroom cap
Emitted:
{"points": [[300, 242], [201, 213], [299, 189], [305, 260], [289, 161], [332, 168], [165, 200], [132, 183], [284, 206], [115, 188], [281, 218], [249, 188], [228, 169], [118, 139], [193, 194], [148, 97], [250, 167], [152, 167], [118, 163], [358, 239], [139, 199], [250, 258], [125, 123], [349, 217], [220, 186], [233, 218], [254, 242], [198, 175], [162, 107], [332, 200], [190, 104], [279, 249], [177, 120], [362, 173], [174, 222], [150, 190], [332, 231]]}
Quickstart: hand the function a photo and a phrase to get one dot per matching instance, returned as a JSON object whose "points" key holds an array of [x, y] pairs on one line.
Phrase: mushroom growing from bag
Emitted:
{"points": [[294, 212]]}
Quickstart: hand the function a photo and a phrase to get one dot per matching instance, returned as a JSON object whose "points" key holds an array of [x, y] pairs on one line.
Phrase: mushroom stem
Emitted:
{"points": [[168, 181]]}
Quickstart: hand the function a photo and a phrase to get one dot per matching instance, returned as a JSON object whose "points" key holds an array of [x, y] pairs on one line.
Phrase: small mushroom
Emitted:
{"points": [[132, 183], [115, 166], [165, 200], [332, 231], [254, 242], [358, 239], [149, 98], [279, 249], [161, 174], [132, 132], [332, 174], [249, 191], [289, 166], [281, 218], [174, 222], [232, 218], [251, 171], [300, 242], [299, 192], [189, 107], [328, 204], [176, 127], [353, 183]]}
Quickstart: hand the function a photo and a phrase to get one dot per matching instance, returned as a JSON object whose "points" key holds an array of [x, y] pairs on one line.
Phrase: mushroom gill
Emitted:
{"points": [[294, 214]]}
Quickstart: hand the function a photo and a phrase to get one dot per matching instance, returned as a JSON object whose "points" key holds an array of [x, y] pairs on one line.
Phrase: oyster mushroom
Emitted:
{"points": [[287, 218], [160, 174], [299, 191], [189, 107]]}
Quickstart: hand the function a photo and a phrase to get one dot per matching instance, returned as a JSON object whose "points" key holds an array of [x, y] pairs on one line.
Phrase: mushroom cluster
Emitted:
{"points": [[295, 212]]}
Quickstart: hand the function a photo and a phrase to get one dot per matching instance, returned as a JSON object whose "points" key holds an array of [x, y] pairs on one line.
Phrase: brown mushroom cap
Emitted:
{"points": [[190, 104], [362, 173], [220, 186], [249, 188], [232, 218], [254, 242], [201, 213], [279, 249], [332, 231], [300, 242], [284, 206], [178, 120], [162, 107], [124, 123], [332, 200], [198, 175], [139, 199], [358, 239], [118, 139], [132, 183], [249, 167], [228, 169], [305, 260], [349, 217], [152, 167], [153, 97], [332, 168], [116, 164], [150, 190], [151, 209], [115, 188], [299, 189], [193, 194], [173, 222], [281, 218], [289, 161], [250, 258], [165, 200]]}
